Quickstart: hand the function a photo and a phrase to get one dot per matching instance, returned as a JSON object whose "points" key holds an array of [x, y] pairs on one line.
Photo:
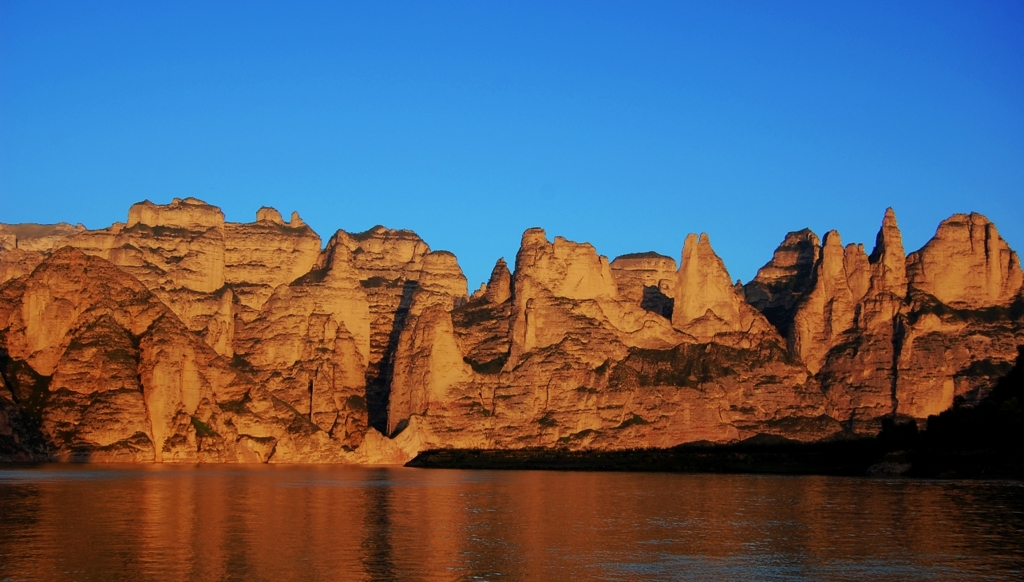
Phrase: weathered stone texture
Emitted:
{"points": [[646, 279], [966, 264], [783, 281], [179, 337]]}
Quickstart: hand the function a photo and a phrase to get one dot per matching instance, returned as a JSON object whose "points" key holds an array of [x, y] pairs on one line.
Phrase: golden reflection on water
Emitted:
{"points": [[62, 522]]}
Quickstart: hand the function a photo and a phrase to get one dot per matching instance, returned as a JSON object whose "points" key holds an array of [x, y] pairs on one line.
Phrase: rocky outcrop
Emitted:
{"points": [[646, 279], [863, 372], [966, 264], [828, 310], [24, 246], [565, 288], [881, 343], [499, 287], [189, 213], [179, 337], [310, 346], [545, 274], [387, 264], [429, 359], [707, 305], [588, 368], [102, 370], [206, 270], [963, 320], [849, 327], [786, 279], [37, 237], [482, 325], [268, 252]]}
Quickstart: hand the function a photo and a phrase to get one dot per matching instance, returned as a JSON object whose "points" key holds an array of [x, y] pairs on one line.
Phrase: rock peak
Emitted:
{"points": [[890, 217], [190, 213], [269, 214], [499, 286], [832, 238], [966, 263], [784, 280], [535, 235], [889, 239], [888, 260], [702, 284]]}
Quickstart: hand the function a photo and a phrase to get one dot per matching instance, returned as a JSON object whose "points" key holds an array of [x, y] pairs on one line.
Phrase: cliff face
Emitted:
{"points": [[707, 305], [966, 265], [585, 367], [177, 336], [647, 279], [783, 281], [963, 317], [100, 369], [881, 342]]}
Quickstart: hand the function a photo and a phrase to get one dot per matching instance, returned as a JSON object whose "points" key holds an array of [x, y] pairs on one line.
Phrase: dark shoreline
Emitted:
{"points": [[860, 457], [980, 442]]}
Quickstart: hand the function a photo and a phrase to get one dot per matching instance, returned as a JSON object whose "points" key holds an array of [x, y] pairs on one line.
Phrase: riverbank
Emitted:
{"points": [[981, 442], [861, 457]]}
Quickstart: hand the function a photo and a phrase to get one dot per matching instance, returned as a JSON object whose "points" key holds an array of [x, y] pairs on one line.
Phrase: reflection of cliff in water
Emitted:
{"points": [[376, 545], [302, 523]]}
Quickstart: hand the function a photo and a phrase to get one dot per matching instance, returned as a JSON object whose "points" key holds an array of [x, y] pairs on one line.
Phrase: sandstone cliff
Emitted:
{"points": [[707, 304], [783, 281], [180, 337], [648, 279], [102, 370], [586, 367], [966, 265], [880, 343], [963, 317]]}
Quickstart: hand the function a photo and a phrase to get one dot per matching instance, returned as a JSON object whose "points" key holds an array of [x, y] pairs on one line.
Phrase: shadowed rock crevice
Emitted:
{"points": [[378, 379], [656, 301], [23, 398], [481, 330]]}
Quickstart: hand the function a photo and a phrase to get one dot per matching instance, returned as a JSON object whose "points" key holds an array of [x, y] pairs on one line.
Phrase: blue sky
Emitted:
{"points": [[624, 124]]}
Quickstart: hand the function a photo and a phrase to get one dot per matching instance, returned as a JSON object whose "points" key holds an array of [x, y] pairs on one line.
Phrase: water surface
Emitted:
{"points": [[141, 522]]}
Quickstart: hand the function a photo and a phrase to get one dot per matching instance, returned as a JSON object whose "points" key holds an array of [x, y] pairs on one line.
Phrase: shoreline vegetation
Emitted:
{"points": [[981, 442]]}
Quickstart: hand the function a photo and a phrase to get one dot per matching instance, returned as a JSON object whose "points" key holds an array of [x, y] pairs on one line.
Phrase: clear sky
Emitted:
{"points": [[624, 124]]}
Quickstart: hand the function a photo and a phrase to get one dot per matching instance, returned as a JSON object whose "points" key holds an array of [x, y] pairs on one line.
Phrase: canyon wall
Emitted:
{"points": [[180, 337]]}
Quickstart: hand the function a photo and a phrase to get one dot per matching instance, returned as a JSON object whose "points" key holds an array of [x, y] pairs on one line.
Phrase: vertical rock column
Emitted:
{"points": [[707, 305], [827, 311], [860, 372], [428, 360]]}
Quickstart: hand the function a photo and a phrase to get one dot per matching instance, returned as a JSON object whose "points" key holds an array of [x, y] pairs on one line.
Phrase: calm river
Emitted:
{"points": [[61, 522]]}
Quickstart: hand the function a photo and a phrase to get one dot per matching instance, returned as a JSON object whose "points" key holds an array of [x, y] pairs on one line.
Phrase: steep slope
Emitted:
{"points": [[588, 368], [784, 280], [178, 336], [102, 370]]}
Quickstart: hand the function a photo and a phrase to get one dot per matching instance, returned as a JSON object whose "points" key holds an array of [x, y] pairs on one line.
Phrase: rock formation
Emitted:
{"points": [[102, 370], [648, 279], [783, 281], [966, 265], [428, 358], [963, 314], [828, 310], [862, 371], [706, 303], [179, 337]]}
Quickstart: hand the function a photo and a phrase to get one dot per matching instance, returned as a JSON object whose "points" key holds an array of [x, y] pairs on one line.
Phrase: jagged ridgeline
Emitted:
{"points": [[180, 337]]}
